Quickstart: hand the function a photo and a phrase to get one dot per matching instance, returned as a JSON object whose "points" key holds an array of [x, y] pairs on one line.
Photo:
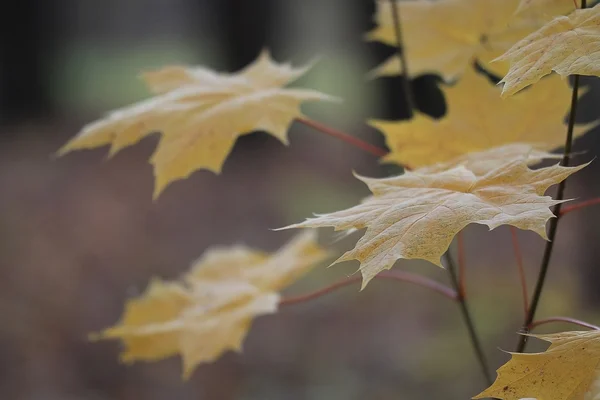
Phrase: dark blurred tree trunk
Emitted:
{"points": [[244, 29], [30, 35]]}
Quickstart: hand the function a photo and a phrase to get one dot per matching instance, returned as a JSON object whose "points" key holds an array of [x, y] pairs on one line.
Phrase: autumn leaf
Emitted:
{"points": [[416, 215], [567, 45], [567, 370], [477, 119], [200, 114], [445, 36], [211, 309]]}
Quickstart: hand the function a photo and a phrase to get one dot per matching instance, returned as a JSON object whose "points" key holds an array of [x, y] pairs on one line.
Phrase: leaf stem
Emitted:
{"points": [[354, 141], [475, 342], [539, 286], [462, 286], [579, 206], [520, 268], [408, 95], [387, 275], [563, 319]]}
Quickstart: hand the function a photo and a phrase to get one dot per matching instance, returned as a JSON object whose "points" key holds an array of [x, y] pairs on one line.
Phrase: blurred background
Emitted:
{"points": [[80, 235]]}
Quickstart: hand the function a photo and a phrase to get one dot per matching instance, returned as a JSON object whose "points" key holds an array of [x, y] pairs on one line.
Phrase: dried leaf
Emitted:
{"points": [[200, 114], [478, 119], [416, 215], [567, 45], [212, 309], [568, 370]]}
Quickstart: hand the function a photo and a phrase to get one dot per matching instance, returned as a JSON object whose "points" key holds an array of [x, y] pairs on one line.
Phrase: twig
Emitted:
{"points": [[521, 269], [408, 95], [354, 141], [539, 286], [579, 206], [475, 342], [387, 275], [563, 319], [462, 286]]}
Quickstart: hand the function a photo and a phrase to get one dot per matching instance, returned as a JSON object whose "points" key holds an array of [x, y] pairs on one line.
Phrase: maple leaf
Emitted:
{"points": [[211, 309], [477, 118], [567, 370], [416, 215], [445, 36], [200, 114], [567, 45]]}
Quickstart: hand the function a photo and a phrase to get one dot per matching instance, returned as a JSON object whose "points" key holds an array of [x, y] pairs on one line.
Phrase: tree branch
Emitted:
{"points": [[563, 319], [462, 286], [386, 275], [579, 206], [475, 342], [406, 85], [539, 286], [354, 141]]}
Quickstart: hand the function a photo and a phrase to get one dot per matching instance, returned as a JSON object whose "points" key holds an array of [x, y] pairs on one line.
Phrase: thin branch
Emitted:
{"points": [[406, 85], [520, 268], [475, 342], [462, 265], [539, 286], [579, 206], [354, 141], [563, 319], [387, 275]]}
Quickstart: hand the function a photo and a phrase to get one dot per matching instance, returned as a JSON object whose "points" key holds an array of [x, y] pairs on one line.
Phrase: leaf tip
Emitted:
{"points": [[95, 336]]}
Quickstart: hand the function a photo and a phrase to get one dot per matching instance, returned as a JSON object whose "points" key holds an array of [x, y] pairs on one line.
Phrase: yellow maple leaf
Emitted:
{"points": [[445, 36], [211, 310], [567, 370], [200, 114], [567, 45], [417, 214], [477, 118]]}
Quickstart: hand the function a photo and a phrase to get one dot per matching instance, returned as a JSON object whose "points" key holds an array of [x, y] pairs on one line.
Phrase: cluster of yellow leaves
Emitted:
{"points": [[567, 370], [200, 114], [570, 368], [471, 166], [445, 36], [416, 215], [211, 309], [567, 45]]}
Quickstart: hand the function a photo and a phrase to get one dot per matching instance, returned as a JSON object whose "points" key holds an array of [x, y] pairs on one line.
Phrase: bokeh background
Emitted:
{"points": [[79, 235]]}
